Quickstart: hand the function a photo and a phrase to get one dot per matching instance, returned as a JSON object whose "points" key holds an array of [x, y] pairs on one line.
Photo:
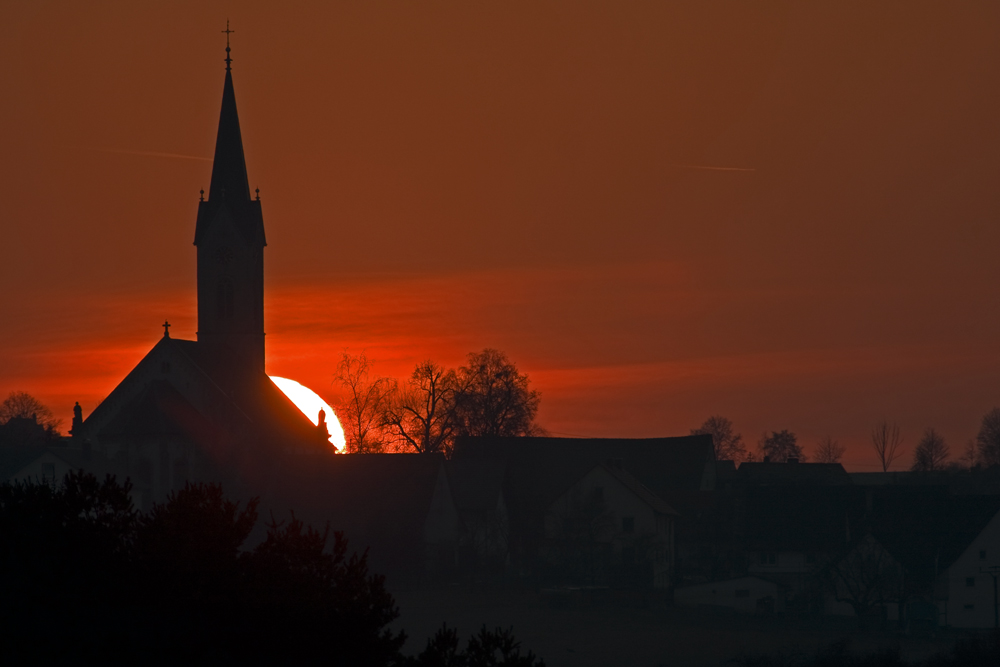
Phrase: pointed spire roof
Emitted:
{"points": [[229, 191], [229, 168]]}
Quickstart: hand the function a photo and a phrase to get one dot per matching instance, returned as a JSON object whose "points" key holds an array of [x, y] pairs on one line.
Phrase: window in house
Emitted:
{"points": [[970, 581], [48, 471], [628, 555], [165, 367], [742, 592], [768, 558], [969, 607], [811, 559], [982, 555], [599, 494], [628, 524]]}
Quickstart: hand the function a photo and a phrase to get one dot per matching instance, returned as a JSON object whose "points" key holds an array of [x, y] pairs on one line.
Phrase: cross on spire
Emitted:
{"points": [[228, 33], [166, 329]]}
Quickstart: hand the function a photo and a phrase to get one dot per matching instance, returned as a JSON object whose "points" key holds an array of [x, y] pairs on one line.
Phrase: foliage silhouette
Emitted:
{"points": [[22, 405], [176, 585], [421, 413], [829, 451], [931, 452], [494, 398], [780, 446], [988, 440], [886, 441], [496, 648], [728, 445]]}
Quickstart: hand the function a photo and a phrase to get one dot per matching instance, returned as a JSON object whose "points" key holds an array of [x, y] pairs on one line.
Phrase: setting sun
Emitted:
{"points": [[310, 403]]}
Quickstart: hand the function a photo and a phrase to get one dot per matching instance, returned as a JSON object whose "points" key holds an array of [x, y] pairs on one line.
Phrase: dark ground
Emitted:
{"points": [[616, 634]]}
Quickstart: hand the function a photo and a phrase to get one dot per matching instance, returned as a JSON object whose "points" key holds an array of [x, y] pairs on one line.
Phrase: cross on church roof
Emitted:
{"points": [[228, 33], [166, 329]]}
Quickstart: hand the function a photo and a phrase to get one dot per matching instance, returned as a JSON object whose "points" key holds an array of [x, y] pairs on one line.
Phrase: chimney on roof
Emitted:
{"points": [[793, 459], [767, 459]]}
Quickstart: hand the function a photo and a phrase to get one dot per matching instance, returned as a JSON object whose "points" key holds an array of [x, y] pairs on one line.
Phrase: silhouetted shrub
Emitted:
{"points": [[84, 578], [496, 648]]}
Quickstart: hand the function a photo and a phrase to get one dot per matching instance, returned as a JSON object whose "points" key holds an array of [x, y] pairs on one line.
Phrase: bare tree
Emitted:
{"points": [[988, 440], [931, 452], [493, 398], [829, 451], [886, 442], [362, 408], [727, 444], [969, 454], [867, 577], [421, 414], [780, 446], [21, 404]]}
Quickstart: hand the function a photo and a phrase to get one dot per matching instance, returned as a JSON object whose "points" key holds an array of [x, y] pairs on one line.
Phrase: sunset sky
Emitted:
{"points": [[784, 213]]}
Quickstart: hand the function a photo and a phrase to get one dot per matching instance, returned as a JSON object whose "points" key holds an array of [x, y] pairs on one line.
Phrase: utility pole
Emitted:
{"points": [[994, 571]]}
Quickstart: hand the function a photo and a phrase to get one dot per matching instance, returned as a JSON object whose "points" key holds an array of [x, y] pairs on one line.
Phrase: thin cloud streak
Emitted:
{"points": [[711, 168], [151, 154]]}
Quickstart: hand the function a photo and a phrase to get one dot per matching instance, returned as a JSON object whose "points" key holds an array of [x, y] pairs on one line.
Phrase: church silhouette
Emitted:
{"points": [[205, 409]]}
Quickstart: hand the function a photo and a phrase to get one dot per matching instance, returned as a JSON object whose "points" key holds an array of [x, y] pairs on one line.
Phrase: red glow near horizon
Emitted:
{"points": [[440, 178]]}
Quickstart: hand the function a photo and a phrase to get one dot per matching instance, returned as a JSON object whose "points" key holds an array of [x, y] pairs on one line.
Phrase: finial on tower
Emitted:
{"points": [[258, 193], [228, 59]]}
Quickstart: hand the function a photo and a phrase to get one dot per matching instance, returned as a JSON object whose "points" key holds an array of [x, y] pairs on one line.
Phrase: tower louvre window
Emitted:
{"points": [[226, 299]]}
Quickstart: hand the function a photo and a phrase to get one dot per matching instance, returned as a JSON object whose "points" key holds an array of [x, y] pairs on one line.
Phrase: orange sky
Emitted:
{"points": [[440, 177]]}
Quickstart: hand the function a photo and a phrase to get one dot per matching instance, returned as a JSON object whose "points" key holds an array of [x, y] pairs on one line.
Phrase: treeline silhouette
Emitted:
{"points": [[932, 452], [87, 579], [972, 651]]}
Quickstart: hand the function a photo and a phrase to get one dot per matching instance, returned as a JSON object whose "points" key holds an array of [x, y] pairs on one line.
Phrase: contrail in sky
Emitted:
{"points": [[151, 154], [701, 166]]}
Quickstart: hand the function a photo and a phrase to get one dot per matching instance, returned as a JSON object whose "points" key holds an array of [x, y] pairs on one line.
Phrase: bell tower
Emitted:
{"points": [[229, 236]]}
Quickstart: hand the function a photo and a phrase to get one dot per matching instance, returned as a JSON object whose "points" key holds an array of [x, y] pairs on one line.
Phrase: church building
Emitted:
{"points": [[205, 409]]}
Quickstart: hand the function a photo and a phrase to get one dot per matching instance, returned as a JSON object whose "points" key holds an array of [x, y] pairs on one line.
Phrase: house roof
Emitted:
{"points": [[661, 464], [161, 410], [798, 518], [247, 405], [925, 528], [538, 470], [638, 488], [759, 473]]}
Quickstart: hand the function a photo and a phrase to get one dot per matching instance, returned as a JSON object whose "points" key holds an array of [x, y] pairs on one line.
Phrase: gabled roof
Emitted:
{"points": [[759, 473], [657, 504], [799, 518], [925, 528], [161, 410], [538, 470], [661, 464], [243, 405]]}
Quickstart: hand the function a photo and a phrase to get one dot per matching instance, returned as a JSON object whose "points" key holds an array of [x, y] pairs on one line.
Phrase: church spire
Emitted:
{"points": [[229, 168]]}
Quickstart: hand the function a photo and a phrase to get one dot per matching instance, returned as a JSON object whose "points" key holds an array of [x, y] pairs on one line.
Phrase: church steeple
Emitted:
{"points": [[230, 239], [229, 168]]}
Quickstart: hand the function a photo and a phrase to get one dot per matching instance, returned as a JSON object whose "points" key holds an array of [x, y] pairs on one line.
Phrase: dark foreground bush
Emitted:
{"points": [[85, 578], [486, 649], [972, 651]]}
